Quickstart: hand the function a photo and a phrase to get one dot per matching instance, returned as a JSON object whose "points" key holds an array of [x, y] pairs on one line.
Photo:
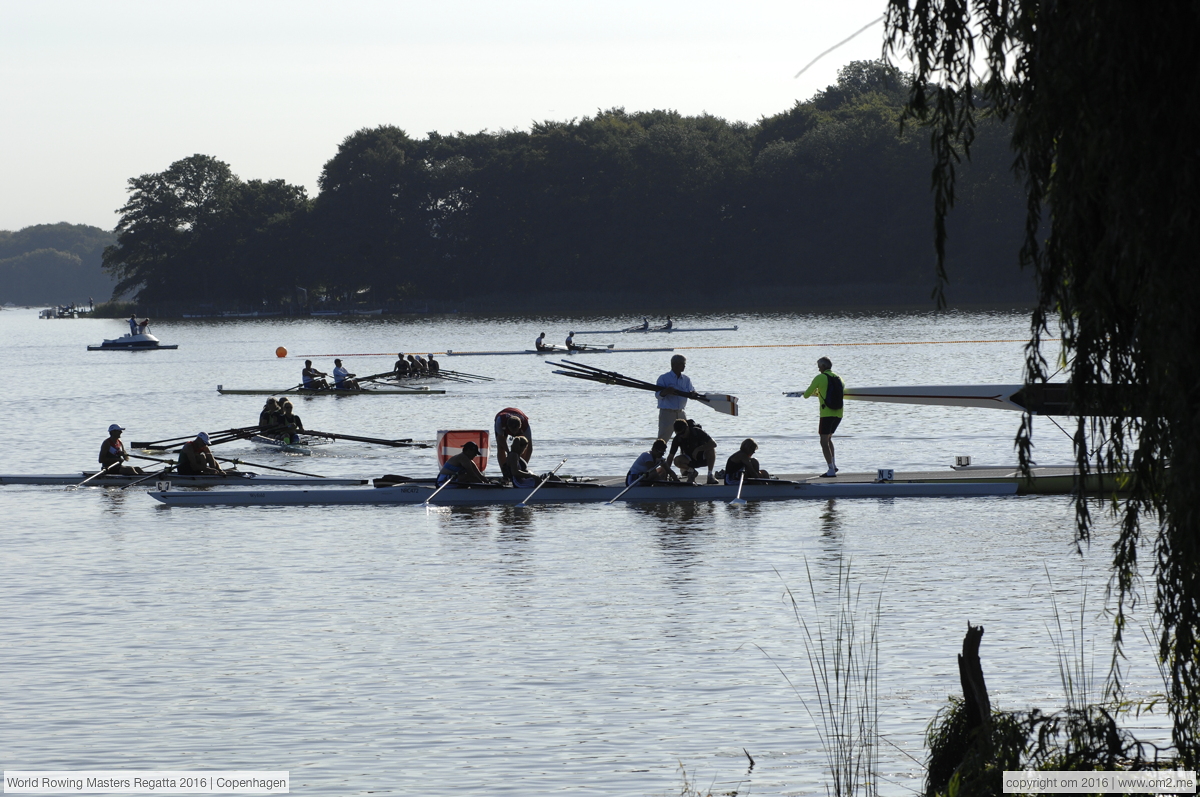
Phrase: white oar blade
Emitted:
{"points": [[722, 403]]}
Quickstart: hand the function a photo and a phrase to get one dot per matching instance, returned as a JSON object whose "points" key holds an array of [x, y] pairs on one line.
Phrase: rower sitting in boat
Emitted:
{"points": [[540, 343], [313, 379], [196, 459], [517, 469], [695, 448], [270, 417], [343, 379], [461, 468], [291, 422], [650, 466], [571, 343], [743, 461], [434, 366], [670, 324], [401, 368], [113, 455], [414, 366]]}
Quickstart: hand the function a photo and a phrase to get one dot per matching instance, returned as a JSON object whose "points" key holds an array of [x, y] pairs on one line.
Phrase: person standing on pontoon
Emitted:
{"points": [[675, 390], [829, 389], [511, 423], [133, 325], [312, 379], [343, 379], [113, 455]]}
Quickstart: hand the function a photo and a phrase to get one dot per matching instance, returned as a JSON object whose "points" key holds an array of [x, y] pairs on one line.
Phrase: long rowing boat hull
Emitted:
{"points": [[382, 391], [500, 496], [1000, 397], [556, 350], [176, 480], [654, 329]]}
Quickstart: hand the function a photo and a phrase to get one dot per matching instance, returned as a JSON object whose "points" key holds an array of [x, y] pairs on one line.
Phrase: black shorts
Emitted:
{"points": [[829, 424], [698, 458]]}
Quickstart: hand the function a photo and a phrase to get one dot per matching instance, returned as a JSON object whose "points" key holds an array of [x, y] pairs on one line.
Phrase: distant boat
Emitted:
{"points": [[142, 342]]}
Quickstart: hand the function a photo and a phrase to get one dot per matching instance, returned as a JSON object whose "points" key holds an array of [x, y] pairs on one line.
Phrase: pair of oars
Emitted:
{"points": [[718, 401], [523, 504]]}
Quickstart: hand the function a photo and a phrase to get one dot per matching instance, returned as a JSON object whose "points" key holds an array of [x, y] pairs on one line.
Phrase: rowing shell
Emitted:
{"points": [[654, 329], [236, 479], [366, 391], [1040, 399], [553, 350], [577, 494]]}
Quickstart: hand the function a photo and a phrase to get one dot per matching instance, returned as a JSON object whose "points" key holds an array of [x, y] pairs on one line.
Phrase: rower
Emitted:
{"points": [[291, 421], [270, 417], [511, 423], [518, 468], [540, 344], [571, 342], [312, 379], [400, 369], [113, 455], [461, 468], [645, 322], [196, 459], [414, 365], [435, 367], [743, 461], [342, 379], [670, 324], [695, 448], [650, 466]]}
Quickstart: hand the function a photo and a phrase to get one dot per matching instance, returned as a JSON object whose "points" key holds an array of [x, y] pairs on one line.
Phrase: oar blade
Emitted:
{"points": [[722, 403]]}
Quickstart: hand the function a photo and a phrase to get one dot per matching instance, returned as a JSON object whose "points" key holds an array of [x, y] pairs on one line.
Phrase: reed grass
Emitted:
{"points": [[842, 648]]}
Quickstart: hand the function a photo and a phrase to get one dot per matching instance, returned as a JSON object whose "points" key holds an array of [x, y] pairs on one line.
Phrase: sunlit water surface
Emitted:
{"points": [[391, 650]]}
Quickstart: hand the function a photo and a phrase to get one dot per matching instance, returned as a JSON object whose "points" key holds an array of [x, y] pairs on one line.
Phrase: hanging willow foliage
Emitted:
{"points": [[1103, 99]]}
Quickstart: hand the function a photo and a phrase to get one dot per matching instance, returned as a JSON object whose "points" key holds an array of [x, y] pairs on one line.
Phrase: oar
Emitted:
{"points": [[406, 443], [739, 500], [630, 487], [469, 376], [545, 479], [241, 462], [102, 472], [720, 402], [155, 443], [150, 476], [441, 487]]}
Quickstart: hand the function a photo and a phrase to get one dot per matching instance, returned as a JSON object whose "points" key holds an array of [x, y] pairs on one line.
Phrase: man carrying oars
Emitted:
{"points": [[674, 391]]}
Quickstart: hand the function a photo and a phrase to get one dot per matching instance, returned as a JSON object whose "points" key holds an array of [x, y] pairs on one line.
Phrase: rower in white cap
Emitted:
{"points": [[113, 455], [196, 459]]}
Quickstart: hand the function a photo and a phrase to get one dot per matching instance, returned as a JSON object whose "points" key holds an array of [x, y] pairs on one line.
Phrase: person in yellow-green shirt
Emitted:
{"points": [[829, 388]]}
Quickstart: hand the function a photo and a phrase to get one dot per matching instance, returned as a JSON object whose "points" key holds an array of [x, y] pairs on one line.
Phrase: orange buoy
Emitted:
{"points": [[281, 352]]}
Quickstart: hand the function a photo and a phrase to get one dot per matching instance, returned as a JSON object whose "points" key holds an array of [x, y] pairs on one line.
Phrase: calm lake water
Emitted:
{"points": [[574, 649]]}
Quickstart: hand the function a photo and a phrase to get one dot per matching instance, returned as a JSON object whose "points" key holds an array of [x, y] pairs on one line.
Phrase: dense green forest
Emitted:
{"points": [[826, 203], [54, 264]]}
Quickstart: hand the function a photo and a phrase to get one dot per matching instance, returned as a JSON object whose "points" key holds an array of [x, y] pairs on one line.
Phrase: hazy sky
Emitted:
{"points": [[93, 93]]}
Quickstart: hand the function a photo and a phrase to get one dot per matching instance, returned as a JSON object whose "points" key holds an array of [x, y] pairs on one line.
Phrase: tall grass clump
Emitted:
{"points": [[842, 647]]}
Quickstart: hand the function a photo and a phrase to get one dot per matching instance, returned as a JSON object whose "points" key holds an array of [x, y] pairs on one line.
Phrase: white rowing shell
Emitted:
{"points": [[997, 397]]}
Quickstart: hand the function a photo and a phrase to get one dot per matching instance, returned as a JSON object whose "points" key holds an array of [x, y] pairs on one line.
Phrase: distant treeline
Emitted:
{"points": [[54, 264], [826, 203]]}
